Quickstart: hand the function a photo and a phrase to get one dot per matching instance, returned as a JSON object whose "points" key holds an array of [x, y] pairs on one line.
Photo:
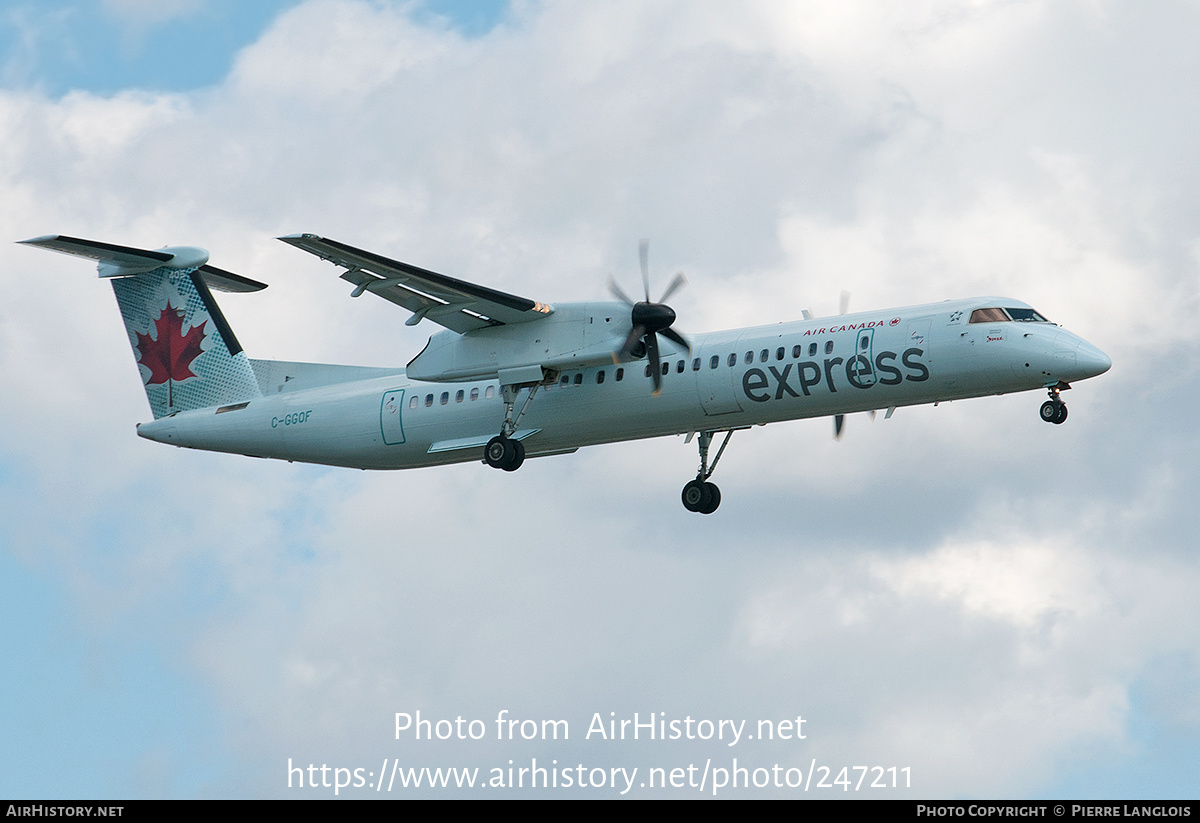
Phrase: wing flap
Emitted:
{"points": [[455, 304]]}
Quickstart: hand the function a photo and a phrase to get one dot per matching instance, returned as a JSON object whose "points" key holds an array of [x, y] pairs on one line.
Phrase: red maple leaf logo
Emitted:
{"points": [[170, 356]]}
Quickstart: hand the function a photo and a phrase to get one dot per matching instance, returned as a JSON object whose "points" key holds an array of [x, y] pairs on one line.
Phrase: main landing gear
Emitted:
{"points": [[1054, 410], [699, 495], [502, 451]]}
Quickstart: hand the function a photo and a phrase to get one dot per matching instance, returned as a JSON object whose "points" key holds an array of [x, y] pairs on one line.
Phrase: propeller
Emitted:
{"points": [[649, 320], [839, 420]]}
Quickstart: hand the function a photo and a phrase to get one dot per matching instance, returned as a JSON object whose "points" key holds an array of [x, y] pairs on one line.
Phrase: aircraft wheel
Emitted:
{"points": [[504, 453], [518, 456], [712, 499], [694, 495], [1061, 415], [1049, 411]]}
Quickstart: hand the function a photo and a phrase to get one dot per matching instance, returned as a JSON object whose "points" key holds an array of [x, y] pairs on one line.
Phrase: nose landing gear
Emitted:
{"points": [[1054, 410]]}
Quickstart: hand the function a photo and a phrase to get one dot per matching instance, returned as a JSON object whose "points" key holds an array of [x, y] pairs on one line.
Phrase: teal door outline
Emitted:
{"points": [[390, 410]]}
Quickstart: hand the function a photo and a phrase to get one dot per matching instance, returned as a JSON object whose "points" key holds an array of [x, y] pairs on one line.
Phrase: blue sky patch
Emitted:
{"points": [[84, 45]]}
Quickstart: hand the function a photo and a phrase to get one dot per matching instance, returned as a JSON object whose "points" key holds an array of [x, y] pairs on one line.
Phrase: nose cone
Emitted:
{"points": [[1090, 361]]}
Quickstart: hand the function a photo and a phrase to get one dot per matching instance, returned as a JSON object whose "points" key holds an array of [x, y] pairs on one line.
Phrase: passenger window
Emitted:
{"points": [[579, 379], [732, 360], [696, 364], [679, 367], [458, 397], [812, 349], [749, 357], [647, 369], [763, 356], [666, 368], [716, 361], [489, 393], [829, 347], [864, 343], [600, 377], [475, 394], [620, 375], [428, 400], [412, 404], [779, 353], [445, 398]]}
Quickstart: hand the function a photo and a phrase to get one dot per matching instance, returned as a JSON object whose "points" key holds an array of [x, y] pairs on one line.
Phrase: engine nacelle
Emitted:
{"points": [[577, 335]]}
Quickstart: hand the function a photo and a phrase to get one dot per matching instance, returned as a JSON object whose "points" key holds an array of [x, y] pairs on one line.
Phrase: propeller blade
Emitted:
{"points": [[678, 339], [626, 351], [844, 305], [679, 280], [839, 420], [655, 362], [617, 292], [644, 256], [647, 319]]}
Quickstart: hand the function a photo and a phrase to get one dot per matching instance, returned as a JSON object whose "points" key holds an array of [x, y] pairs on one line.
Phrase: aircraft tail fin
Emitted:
{"points": [[187, 354]]}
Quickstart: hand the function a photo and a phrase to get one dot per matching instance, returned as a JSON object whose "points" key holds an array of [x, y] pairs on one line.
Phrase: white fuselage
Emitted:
{"points": [[731, 379]]}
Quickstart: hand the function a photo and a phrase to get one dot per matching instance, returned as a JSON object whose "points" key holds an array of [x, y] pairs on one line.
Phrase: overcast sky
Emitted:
{"points": [[1005, 608]]}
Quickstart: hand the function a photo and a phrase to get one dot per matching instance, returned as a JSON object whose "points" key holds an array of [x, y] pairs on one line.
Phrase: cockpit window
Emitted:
{"points": [[1004, 315], [1026, 316], [989, 316]]}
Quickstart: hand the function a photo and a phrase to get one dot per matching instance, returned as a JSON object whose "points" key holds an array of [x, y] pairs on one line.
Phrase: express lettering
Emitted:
{"points": [[860, 373]]}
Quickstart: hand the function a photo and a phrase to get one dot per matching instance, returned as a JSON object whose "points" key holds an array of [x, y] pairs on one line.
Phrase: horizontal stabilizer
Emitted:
{"points": [[222, 280], [136, 260], [125, 261]]}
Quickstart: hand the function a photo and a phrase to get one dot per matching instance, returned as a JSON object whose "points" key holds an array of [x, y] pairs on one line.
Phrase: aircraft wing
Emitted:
{"points": [[455, 304]]}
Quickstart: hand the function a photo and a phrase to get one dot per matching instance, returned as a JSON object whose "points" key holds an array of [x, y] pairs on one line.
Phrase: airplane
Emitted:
{"points": [[582, 373]]}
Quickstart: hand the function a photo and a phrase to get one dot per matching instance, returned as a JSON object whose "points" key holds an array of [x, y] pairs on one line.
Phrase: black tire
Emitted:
{"points": [[712, 499], [500, 451], [694, 495], [1049, 411], [518, 456], [1061, 416]]}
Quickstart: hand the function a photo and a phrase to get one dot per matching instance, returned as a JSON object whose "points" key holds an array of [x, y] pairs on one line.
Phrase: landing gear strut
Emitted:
{"points": [[502, 451], [699, 495], [1054, 410]]}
